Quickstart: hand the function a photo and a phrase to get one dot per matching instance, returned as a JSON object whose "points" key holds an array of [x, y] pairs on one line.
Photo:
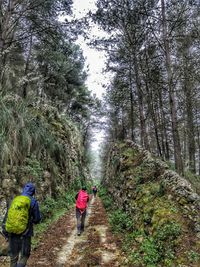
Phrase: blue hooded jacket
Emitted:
{"points": [[35, 217], [34, 213]]}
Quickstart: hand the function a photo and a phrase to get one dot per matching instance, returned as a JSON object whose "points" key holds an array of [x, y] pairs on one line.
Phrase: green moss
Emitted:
{"points": [[163, 212], [162, 223], [151, 204], [193, 256], [183, 201], [128, 153]]}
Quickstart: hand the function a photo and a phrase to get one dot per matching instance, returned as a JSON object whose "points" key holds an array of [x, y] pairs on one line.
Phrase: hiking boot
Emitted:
{"points": [[78, 233]]}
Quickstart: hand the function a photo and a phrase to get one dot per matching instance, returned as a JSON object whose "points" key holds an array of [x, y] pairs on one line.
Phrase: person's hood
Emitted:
{"points": [[29, 189]]}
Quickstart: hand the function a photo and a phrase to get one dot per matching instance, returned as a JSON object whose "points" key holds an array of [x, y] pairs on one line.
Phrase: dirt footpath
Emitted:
{"points": [[61, 247]]}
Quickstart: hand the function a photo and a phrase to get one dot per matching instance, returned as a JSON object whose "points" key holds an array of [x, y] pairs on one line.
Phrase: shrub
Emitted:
{"points": [[193, 256], [150, 252], [120, 221], [106, 198], [50, 206], [47, 207], [168, 232]]}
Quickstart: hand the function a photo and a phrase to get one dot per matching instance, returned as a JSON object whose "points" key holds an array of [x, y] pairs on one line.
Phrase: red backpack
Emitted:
{"points": [[81, 202]]}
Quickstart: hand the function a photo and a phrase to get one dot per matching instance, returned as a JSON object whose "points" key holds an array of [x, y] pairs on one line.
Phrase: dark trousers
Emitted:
{"points": [[19, 250], [80, 216]]}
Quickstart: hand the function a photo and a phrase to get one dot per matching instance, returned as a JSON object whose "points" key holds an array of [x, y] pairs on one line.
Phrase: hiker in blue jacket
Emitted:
{"points": [[20, 244]]}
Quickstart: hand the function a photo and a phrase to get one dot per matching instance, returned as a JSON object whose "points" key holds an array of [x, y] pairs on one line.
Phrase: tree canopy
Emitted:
{"points": [[153, 51]]}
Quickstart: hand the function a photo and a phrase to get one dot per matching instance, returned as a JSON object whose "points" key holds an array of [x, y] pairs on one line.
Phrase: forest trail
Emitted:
{"points": [[61, 247]]}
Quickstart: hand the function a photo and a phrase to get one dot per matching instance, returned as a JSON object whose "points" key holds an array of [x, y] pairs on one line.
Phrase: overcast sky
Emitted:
{"points": [[94, 59]]}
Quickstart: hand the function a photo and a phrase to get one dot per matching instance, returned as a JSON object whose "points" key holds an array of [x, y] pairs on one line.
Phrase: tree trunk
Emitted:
{"points": [[6, 38], [150, 102], [144, 137], [172, 98], [132, 117], [163, 123], [198, 140], [155, 121], [189, 112], [27, 66]]}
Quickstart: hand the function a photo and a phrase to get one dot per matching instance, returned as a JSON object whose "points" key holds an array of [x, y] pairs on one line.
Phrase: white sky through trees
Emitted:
{"points": [[94, 59]]}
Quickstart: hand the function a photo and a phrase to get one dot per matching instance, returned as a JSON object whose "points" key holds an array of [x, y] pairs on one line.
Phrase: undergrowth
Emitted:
{"points": [[140, 247]]}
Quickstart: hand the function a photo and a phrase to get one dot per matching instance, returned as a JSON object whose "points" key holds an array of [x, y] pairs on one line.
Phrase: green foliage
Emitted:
{"points": [[145, 253], [120, 221], [107, 202], [76, 184], [50, 205], [102, 191], [106, 198], [163, 223], [32, 167], [23, 133], [130, 238], [152, 239], [193, 256], [168, 232], [35, 139], [152, 250], [70, 197]]}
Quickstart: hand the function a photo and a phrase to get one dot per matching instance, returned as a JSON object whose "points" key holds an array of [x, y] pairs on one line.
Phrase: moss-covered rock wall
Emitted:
{"points": [[42, 146], [164, 207]]}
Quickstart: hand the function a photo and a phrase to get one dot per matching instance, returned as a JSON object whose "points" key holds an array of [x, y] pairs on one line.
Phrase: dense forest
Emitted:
{"points": [[44, 102], [147, 170], [153, 53]]}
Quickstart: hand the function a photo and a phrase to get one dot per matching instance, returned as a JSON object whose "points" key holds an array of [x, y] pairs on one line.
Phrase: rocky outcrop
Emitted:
{"points": [[52, 162], [154, 196]]}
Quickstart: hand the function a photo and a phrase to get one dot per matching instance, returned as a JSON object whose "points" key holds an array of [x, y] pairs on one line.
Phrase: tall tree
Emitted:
{"points": [[154, 44]]}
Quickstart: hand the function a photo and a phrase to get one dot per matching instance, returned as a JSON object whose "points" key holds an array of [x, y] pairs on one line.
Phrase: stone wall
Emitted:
{"points": [[153, 195]]}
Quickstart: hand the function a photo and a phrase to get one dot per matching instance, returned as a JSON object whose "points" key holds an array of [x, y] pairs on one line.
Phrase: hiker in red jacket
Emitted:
{"points": [[82, 199]]}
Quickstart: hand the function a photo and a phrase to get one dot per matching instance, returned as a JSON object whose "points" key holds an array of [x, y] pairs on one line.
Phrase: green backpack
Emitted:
{"points": [[18, 215]]}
